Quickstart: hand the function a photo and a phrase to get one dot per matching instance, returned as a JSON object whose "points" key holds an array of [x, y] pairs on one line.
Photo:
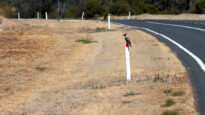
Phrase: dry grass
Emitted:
{"points": [[163, 17], [44, 71]]}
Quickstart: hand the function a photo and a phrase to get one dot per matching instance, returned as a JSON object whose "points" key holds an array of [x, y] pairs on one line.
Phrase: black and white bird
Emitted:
{"points": [[127, 39]]}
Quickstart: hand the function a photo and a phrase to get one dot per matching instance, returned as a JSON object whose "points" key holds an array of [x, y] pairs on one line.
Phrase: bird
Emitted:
{"points": [[127, 39]]}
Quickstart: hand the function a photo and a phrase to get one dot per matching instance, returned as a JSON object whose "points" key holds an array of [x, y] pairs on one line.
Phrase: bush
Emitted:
{"points": [[120, 8], [149, 8], [200, 7], [93, 8], [8, 12], [71, 13], [53, 14]]}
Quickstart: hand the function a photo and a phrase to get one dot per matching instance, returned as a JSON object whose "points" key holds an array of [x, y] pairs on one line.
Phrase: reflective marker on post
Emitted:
{"points": [[127, 61], [109, 21]]}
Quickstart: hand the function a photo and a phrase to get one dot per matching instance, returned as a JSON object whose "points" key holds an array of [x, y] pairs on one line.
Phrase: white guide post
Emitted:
{"points": [[46, 15], [129, 16], [109, 21], [127, 61], [83, 15], [38, 15], [19, 17]]}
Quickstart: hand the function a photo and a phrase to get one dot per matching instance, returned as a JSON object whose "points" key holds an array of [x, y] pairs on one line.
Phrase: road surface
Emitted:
{"points": [[190, 36]]}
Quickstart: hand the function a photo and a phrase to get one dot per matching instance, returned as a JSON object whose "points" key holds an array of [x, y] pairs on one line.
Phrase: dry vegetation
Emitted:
{"points": [[163, 17], [45, 71]]}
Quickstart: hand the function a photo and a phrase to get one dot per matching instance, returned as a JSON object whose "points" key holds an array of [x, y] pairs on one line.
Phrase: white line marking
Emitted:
{"points": [[197, 59], [200, 29]]}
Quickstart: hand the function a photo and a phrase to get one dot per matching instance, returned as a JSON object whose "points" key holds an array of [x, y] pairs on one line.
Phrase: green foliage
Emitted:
{"points": [[71, 13], [170, 113], [94, 8], [158, 79], [178, 93], [200, 7], [168, 103], [120, 8], [149, 8]]}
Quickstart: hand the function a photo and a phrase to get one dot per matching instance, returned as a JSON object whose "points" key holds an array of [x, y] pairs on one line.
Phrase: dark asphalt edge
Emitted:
{"points": [[191, 66]]}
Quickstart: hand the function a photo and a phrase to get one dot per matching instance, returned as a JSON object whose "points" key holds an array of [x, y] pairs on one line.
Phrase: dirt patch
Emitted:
{"points": [[45, 71]]}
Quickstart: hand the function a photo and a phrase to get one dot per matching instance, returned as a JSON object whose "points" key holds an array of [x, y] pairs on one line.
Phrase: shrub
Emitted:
{"points": [[93, 8], [120, 8], [8, 12], [149, 8], [200, 7], [39, 68], [71, 13]]}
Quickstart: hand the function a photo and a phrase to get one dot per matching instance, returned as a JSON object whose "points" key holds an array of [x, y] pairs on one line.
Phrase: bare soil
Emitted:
{"points": [[45, 71]]}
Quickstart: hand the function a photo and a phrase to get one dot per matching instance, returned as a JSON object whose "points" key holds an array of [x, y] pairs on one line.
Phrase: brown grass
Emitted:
{"points": [[163, 17], [44, 71]]}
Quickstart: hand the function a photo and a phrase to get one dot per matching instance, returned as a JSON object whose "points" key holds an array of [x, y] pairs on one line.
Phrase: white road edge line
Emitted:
{"points": [[197, 59], [200, 29]]}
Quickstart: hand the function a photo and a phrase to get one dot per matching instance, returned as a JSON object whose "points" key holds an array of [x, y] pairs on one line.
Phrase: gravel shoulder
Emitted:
{"points": [[44, 70]]}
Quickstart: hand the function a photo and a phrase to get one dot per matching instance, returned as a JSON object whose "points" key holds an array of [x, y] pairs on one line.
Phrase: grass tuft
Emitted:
{"points": [[39, 68], [85, 41], [168, 91], [98, 87], [178, 93], [168, 103], [126, 102], [158, 79], [130, 94], [170, 113], [1, 20]]}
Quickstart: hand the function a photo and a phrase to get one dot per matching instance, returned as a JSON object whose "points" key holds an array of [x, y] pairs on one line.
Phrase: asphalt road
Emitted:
{"points": [[190, 35]]}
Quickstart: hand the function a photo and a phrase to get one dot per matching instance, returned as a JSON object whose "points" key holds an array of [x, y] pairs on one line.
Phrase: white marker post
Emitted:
{"points": [[19, 17], [83, 15], [129, 16], [38, 15], [127, 61], [46, 15], [109, 21]]}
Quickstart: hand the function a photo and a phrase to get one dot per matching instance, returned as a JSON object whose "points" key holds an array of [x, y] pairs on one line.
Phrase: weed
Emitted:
{"points": [[168, 103], [85, 41], [168, 91], [158, 78], [178, 93], [126, 102], [0, 20], [98, 87], [100, 29], [39, 68], [130, 94], [170, 113]]}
